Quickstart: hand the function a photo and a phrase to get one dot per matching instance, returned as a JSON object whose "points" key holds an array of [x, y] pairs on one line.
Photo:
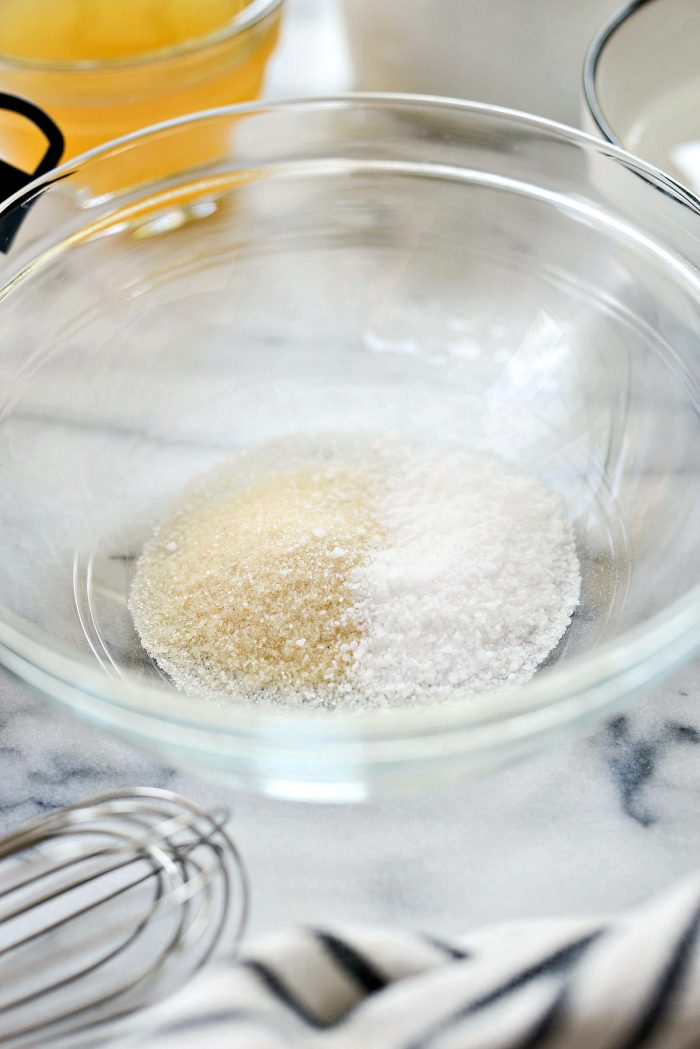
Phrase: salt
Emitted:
{"points": [[477, 580]]}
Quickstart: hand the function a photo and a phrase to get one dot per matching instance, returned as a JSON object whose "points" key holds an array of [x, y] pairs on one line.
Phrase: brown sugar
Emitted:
{"points": [[251, 586]]}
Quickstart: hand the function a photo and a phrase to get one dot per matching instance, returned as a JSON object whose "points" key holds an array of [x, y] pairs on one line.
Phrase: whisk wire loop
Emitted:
{"points": [[109, 904]]}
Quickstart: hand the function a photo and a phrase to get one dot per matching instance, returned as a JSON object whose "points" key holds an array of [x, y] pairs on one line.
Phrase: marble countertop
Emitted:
{"points": [[595, 823]]}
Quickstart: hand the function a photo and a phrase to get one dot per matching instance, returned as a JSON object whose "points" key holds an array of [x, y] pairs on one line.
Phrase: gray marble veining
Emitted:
{"points": [[595, 823]]}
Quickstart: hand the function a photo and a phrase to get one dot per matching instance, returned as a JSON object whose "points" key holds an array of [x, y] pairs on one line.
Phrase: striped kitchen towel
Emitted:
{"points": [[614, 983]]}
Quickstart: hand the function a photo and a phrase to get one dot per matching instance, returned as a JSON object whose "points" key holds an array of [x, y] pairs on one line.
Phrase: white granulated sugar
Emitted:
{"points": [[473, 587], [356, 573]]}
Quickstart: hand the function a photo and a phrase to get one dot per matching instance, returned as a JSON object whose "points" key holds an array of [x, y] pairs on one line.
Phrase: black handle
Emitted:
{"points": [[13, 179]]}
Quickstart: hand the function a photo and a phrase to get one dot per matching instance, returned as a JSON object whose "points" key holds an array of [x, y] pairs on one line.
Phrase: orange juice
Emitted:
{"points": [[103, 68]]}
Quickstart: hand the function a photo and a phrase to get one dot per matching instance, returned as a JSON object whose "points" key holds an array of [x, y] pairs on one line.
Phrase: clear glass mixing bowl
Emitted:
{"points": [[466, 275]]}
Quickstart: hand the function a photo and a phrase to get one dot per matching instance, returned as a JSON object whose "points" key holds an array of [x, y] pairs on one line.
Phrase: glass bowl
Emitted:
{"points": [[642, 84], [451, 271]]}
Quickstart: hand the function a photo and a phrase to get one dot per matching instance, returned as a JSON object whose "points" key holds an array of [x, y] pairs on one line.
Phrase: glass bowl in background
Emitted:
{"points": [[450, 271], [94, 99], [642, 84]]}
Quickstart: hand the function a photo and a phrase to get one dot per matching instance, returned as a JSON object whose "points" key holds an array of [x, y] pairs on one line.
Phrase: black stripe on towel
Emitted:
{"points": [[448, 949], [544, 1027], [279, 990], [353, 964], [671, 977], [562, 958]]}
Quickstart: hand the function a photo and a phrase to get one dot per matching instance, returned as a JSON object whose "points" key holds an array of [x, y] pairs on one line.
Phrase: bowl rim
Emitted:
{"points": [[564, 694], [592, 60], [253, 13]]}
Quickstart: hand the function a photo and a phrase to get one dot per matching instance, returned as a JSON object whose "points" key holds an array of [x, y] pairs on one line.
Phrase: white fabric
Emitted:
{"points": [[615, 983]]}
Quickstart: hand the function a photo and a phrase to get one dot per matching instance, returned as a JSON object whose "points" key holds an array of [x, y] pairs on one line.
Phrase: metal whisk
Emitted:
{"points": [[106, 906]]}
